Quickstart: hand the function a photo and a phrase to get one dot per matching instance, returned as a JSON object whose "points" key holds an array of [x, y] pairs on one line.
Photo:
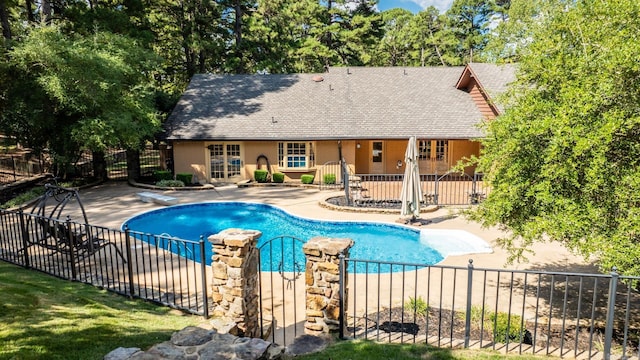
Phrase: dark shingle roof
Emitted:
{"points": [[350, 103]]}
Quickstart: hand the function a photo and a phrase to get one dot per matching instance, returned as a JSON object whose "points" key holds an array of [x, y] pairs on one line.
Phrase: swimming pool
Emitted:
{"points": [[373, 241]]}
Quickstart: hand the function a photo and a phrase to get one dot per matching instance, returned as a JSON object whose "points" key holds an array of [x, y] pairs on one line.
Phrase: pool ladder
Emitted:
{"points": [[188, 253]]}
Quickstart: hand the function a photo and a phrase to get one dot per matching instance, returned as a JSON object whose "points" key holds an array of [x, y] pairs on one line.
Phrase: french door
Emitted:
{"points": [[226, 161]]}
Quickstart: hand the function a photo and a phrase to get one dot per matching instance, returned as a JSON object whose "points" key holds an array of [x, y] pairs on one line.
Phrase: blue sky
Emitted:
{"points": [[414, 5]]}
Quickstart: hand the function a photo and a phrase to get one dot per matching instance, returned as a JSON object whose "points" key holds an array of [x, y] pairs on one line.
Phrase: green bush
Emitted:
{"points": [[329, 179], [306, 179], [185, 178], [260, 175], [170, 183], [501, 320], [417, 305], [278, 177], [160, 175]]}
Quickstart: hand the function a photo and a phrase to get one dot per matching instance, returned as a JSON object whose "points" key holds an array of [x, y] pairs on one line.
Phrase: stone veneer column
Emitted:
{"points": [[323, 283], [235, 278]]}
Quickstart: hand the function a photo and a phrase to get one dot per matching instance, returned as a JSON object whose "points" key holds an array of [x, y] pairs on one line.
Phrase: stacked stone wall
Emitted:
{"points": [[322, 280], [234, 291]]}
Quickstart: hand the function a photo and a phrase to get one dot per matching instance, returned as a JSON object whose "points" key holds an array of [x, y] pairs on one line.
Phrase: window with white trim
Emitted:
{"points": [[424, 149], [295, 155]]}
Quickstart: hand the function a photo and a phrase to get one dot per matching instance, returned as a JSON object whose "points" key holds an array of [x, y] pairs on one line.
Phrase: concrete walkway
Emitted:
{"points": [[110, 204]]}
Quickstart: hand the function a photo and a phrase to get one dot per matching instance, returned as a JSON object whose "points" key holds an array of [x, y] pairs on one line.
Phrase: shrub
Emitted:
{"points": [[501, 320], [278, 177], [160, 175], [329, 179], [185, 178], [260, 175], [417, 305], [170, 183], [307, 179]]}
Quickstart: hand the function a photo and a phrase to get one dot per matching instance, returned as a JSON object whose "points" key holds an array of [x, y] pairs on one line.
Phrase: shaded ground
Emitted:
{"points": [[447, 326]]}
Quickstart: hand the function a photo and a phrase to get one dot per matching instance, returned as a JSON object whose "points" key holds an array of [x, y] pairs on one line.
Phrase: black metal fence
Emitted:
{"points": [[535, 312], [162, 269], [15, 168], [383, 190]]}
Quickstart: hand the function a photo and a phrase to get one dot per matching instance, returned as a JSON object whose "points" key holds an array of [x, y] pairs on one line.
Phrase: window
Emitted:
{"points": [[426, 147], [376, 154], [441, 150], [424, 150], [295, 155]]}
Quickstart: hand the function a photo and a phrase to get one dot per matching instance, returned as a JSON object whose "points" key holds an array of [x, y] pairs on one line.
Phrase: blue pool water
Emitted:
{"points": [[373, 241]]}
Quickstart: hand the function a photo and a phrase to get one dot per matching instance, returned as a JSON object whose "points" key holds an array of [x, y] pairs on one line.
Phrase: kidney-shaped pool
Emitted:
{"points": [[373, 241]]}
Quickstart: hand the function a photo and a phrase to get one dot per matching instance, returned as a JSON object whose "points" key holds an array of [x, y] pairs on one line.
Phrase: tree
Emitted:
{"points": [[563, 162], [394, 47], [469, 21], [72, 93]]}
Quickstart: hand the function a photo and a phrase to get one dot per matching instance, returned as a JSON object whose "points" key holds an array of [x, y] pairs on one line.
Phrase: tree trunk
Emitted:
{"points": [[133, 164], [99, 165], [237, 29], [46, 11], [28, 7], [4, 20]]}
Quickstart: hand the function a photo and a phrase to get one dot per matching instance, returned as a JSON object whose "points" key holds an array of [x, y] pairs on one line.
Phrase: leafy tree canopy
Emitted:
{"points": [[89, 92], [564, 160]]}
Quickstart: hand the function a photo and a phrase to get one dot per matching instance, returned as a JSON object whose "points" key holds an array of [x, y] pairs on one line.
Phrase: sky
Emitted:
{"points": [[414, 5]]}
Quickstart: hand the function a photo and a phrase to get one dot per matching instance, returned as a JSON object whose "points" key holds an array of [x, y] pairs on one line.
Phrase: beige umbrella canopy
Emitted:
{"points": [[411, 194]]}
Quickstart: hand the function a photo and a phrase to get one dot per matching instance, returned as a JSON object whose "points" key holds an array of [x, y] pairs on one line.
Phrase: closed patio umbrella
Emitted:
{"points": [[411, 194]]}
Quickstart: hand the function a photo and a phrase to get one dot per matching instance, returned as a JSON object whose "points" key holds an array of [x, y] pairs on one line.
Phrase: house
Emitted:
{"points": [[226, 126]]}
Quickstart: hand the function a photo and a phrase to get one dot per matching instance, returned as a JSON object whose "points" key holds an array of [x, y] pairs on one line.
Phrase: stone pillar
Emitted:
{"points": [[323, 283], [235, 279]]}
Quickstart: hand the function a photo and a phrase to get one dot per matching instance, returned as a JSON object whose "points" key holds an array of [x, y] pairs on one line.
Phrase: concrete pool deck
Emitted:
{"points": [[111, 203]]}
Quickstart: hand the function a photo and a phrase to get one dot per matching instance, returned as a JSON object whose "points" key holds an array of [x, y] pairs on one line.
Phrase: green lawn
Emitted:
{"points": [[44, 317]]}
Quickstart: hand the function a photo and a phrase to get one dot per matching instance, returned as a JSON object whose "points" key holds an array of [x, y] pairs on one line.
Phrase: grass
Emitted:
{"points": [[369, 350], [44, 317]]}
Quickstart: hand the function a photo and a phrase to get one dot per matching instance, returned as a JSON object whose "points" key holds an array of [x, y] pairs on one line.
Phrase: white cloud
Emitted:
{"points": [[442, 5]]}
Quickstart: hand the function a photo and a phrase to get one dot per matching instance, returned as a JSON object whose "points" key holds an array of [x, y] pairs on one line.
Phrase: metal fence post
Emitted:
{"points": [[341, 293], [25, 239], [13, 167], [467, 320], [611, 306], [72, 247], [203, 269], [127, 241]]}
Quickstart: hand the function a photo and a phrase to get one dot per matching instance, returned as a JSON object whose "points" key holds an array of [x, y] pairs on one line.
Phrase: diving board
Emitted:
{"points": [[157, 198]]}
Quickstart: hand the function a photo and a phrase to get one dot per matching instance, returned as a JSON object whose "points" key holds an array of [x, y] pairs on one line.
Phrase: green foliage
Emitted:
{"points": [[329, 178], [307, 179], [562, 161], [260, 175], [23, 198], [184, 177], [506, 328], [417, 306], [278, 177], [170, 183], [162, 175]]}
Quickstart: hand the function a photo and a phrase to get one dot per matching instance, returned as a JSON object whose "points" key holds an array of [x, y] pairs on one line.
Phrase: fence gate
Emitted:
{"points": [[455, 189], [282, 289]]}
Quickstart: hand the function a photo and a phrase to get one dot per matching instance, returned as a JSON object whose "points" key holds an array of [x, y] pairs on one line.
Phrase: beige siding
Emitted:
{"points": [[190, 157]]}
